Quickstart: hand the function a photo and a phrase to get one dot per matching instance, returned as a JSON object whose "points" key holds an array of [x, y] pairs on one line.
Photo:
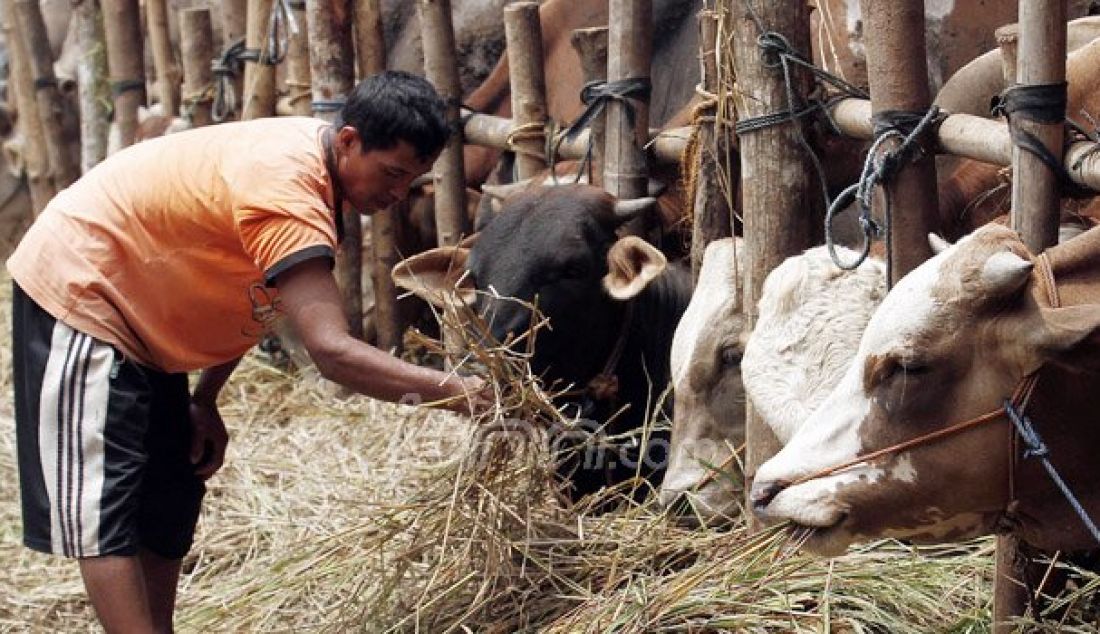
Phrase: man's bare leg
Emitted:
{"points": [[116, 588], [161, 578]]}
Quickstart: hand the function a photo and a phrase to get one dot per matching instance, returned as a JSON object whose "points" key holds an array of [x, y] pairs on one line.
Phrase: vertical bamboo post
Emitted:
{"points": [[630, 45], [370, 53], [523, 37], [777, 184], [54, 113], [259, 74], [93, 89], [122, 27], [711, 218], [35, 158], [164, 61], [1041, 59], [591, 47], [299, 81], [897, 70], [331, 61], [234, 25], [197, 49], [441, 67], [1008, 37]]}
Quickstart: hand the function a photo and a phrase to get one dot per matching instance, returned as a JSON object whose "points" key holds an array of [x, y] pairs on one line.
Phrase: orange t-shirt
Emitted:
{"points": [[167, 249]]}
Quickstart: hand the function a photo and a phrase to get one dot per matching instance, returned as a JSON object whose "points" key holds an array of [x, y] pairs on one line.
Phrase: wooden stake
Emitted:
{"points": [[197, 47], [779, 192], [523, 37], [630, 45], [385, 224], [93, 89], [441, 68], [235, 25], [591, 47], [712, 217], [122, 28], [36, 161], [54, 112], [259, 76], [1041, 59], [164, 61], [1008, 38], [331, 60], [898, 74], [299, 82]]}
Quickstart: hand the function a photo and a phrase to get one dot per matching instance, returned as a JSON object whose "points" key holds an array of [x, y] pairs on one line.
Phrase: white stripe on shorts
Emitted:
{"points": [[72, 413]]}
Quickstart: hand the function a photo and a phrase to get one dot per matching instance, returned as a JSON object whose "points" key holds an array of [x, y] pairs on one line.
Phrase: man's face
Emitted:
{"points": [[378, 178]]}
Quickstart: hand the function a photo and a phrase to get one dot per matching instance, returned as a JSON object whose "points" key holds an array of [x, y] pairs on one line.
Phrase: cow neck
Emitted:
{"points": [[605, 385], [328, 142]]}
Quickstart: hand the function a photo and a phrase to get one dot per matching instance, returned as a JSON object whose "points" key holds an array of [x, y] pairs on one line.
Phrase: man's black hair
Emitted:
{"points": [[396, 106]]}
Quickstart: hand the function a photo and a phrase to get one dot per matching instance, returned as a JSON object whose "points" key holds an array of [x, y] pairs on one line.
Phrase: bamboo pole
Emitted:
{"points": [[35, 158], [777, 186], [299, 81], [234, 14], [331, 61], [973, 137], [385, 224], [93, 89], [441, 67], [898, 75], [54, 112], [259, 74], [1041, 59], [164, 61], [712, 217], [197, 48], [1008, 37], [122, 28], [630, 46], [591, 47], [523, 37]]}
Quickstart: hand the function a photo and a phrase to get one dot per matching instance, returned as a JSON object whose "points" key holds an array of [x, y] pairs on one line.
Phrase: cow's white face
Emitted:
{"points": [[709, 407], [948, 343]]}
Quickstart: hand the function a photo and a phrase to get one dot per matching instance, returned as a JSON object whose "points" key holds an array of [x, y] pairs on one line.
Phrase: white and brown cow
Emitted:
{"points": [[811, 315], [948, 344]]}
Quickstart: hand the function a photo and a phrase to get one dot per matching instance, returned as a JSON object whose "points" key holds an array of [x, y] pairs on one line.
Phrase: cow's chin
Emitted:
{"points": [[823, 541]]}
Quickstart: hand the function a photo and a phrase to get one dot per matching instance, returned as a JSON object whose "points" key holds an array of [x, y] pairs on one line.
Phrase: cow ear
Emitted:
{"points": [[437, 276], [632, 263], [1064, 328]]}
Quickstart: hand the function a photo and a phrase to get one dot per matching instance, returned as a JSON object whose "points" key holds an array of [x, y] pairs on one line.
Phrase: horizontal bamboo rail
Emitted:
{"points": [[971, 137]]}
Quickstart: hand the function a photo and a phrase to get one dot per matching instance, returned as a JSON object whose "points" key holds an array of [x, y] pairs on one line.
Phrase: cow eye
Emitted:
{"points": [[913, 369], [730, 356]]}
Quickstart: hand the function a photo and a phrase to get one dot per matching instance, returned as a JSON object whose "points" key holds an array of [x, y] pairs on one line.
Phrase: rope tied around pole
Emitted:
{"points": [[1039, 103], [191, 100], [880, 169], [226, 68], [121, 86], [595, 95], [533, 131]]}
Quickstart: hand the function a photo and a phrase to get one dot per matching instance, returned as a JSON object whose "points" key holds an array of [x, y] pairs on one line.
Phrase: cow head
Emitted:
{"points": [[948, 343], [709, 406], [554, 247]]}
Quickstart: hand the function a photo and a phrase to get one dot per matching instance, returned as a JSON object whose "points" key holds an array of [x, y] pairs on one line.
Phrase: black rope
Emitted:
{"points": [[1040, 103], [595, 95], [42, 83], [1036, 448], [226, 68], [126, 85], [328, 105]]}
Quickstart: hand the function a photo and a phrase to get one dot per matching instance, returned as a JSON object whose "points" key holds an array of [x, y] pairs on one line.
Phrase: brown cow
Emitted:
{"points": [[950, 343]]}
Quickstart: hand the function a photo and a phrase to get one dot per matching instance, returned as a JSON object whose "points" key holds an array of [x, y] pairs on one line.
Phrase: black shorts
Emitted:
{"points": [[103, 444]]}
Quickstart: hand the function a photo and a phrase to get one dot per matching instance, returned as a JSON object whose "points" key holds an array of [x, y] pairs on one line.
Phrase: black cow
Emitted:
{"points": [[557, 247]]}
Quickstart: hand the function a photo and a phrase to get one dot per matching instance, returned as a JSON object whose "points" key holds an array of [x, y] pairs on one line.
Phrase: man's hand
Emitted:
{"points": [[208, 439], [474, 396]]}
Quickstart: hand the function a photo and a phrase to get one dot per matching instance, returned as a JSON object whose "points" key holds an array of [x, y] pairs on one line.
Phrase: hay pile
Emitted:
{"points": [[346, 514]]}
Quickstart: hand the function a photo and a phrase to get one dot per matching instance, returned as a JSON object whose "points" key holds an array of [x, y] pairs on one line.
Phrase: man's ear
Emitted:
{"points": [[437, 276], [632, 263], [347, 137]]}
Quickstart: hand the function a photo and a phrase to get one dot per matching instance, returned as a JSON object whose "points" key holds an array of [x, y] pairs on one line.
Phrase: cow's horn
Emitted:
{"points": [[627, 209], [501, 192]]}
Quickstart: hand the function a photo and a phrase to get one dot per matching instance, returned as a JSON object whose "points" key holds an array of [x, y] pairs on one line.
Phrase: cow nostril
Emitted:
{"points": [[763, 493]]}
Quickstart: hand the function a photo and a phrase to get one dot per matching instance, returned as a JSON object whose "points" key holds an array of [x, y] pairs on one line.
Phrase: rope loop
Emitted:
{"points": [[226, 68]]}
